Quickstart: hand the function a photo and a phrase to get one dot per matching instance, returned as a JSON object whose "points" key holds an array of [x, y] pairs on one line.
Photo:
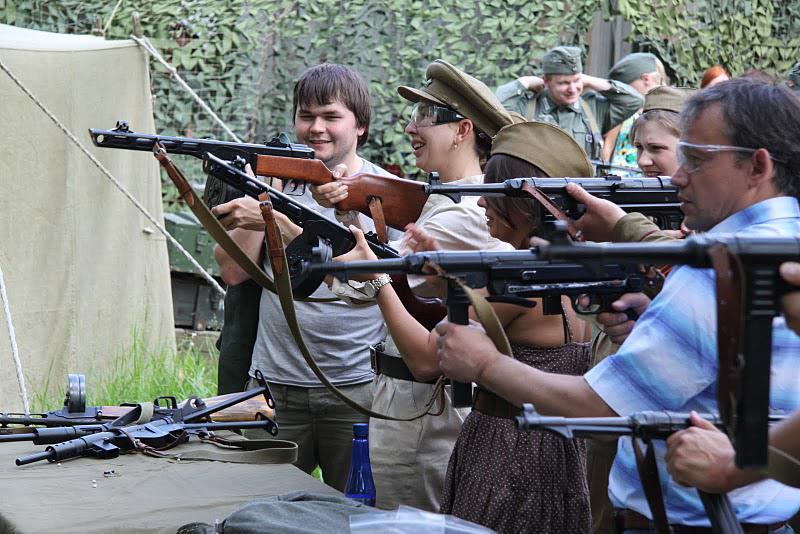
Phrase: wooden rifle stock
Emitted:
{"points": [[246, 410], [402, 200]]}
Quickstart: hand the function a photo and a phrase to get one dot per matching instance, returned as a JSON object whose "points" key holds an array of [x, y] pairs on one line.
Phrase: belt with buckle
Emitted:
{"points": [[630, 520], [391, 366]]}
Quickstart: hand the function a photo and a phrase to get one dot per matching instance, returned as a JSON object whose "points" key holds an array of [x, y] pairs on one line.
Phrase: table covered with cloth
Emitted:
{"points": [[134, 493]]}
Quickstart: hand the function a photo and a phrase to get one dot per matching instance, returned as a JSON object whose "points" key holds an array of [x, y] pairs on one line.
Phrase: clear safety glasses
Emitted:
{"points": [[689, 160], [427, 114]]}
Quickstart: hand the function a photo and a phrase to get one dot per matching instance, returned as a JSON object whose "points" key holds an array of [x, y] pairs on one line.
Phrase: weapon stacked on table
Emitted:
{"points": [[69, 433]]}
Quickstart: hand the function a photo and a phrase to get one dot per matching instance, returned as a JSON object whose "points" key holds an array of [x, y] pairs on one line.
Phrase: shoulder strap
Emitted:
{"points": [[283, 284], [597, 134]]}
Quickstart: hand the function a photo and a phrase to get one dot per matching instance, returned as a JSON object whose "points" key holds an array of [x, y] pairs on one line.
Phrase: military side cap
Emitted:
{"points": [[631, 67], [451, 87], [793, 77], [545, 145], [666, 98], [562, 60]]}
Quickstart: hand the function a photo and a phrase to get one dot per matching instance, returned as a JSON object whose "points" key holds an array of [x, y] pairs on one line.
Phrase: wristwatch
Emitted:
{"points": [[377, 283]]}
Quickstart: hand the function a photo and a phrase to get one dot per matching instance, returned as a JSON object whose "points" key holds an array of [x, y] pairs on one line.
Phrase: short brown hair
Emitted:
{"points": [[329, 82], [501, 167]]}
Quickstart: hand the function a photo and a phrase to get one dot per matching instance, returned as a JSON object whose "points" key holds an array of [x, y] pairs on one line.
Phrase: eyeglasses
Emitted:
{"points": [[427, 114], [691, 163]]}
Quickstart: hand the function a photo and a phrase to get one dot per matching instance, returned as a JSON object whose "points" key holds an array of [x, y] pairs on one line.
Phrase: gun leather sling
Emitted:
{"points": [[212, 225]]}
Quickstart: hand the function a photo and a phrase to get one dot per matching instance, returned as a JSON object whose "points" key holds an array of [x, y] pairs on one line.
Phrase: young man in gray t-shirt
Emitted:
{"points": [[331, 115]]}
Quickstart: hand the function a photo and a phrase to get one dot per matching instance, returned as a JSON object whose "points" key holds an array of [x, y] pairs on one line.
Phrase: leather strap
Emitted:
{"points": [[284, 290], [212, 225], [783, 467], [730, 300], [210, 222], [552, 209], [651, 484], [376, 212]]}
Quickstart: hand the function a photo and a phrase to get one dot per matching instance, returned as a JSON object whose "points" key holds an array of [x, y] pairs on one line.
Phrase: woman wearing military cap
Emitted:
{"points": [[452, 122], [508, 480]]}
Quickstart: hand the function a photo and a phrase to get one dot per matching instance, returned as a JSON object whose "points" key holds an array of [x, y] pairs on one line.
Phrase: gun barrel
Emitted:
{"points": [[125, 139]]}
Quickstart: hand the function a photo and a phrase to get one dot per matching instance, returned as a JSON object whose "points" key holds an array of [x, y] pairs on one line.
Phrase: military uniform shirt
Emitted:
{"points": [[609, 107]]}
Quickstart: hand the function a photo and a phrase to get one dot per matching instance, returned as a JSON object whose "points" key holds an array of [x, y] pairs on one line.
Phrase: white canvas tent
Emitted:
{"points": [[83, 267]]}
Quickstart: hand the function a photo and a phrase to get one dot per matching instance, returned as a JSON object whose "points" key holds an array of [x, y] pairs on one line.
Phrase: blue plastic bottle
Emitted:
{"points": [[360, 485]]}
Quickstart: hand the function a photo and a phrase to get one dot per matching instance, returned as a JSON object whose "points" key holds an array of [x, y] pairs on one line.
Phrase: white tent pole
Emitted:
{"points": [[23, 392]]}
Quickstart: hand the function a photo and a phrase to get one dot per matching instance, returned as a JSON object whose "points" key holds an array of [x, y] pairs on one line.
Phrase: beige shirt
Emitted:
{"points": [[455, 226]]}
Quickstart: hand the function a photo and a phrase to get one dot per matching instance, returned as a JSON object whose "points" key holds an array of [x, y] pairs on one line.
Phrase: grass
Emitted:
{"points": [[143, 372]]}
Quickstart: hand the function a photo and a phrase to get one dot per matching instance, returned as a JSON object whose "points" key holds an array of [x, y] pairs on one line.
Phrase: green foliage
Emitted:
{"points": [[243, 57], [738, 34], [142, 372]]}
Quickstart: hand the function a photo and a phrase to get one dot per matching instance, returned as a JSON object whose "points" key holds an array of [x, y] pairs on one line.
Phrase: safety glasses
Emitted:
{"points": [[690, 161], [427, 114]]}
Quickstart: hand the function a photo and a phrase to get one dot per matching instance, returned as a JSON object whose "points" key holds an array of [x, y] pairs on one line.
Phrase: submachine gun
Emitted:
{"points": [[168, 425], [655, 197], [749, 288], [322, 236], [123, 138], [509, 277], [644, 426]]}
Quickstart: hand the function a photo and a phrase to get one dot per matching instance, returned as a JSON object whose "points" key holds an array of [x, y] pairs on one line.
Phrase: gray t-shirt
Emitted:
{"points": [[337, 335]]}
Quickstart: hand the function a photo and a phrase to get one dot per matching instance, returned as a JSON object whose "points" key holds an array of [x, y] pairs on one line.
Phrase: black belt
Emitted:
{"points": [[630, 520], [391, 366]]}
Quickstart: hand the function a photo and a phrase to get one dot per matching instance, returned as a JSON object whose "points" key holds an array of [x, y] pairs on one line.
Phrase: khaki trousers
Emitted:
{"points": [[409, 459]]}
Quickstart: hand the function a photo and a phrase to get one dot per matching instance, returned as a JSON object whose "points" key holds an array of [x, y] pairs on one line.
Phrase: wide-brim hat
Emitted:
{"points": [[545, 145], [449, 86]]}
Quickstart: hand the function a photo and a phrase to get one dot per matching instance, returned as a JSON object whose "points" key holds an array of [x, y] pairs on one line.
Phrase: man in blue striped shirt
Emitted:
{"points": [[739, 173]]}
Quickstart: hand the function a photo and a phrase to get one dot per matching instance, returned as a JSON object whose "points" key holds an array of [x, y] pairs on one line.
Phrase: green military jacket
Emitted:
{"points": [[605, 110]]}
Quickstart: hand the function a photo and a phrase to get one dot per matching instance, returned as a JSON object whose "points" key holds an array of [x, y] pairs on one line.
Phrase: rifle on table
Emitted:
{"points": [[166, 427], [122, 137], [749, 288], [654, 197], [323, 236], [645, 426]]}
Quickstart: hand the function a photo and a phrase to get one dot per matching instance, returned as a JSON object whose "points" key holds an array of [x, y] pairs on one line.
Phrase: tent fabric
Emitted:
{"points": [[83, 267]]}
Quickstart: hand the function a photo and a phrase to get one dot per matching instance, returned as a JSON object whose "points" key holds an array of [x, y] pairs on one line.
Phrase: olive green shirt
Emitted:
{"points": [[609, 108]]}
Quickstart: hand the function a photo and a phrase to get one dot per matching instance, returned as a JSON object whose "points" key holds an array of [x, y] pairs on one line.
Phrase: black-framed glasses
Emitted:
{"points": [[426, 114]]}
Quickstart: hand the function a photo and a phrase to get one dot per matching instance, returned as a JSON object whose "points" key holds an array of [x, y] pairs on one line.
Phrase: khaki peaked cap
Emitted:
{"points": [[451, 87], [666, 98], [545, 145]]}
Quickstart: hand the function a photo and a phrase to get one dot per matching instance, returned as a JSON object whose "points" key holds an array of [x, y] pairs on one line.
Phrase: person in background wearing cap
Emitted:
{"points": [[509, 480], [453, 121], [655, 135], [642, 71], [331, 110], [585, 106]]}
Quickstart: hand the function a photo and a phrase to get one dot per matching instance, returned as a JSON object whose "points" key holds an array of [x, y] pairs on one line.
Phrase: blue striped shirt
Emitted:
{"points": [[669, 362]]}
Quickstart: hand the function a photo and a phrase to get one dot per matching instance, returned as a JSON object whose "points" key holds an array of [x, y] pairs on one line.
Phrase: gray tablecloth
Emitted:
{"points": [[143, 495]]}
